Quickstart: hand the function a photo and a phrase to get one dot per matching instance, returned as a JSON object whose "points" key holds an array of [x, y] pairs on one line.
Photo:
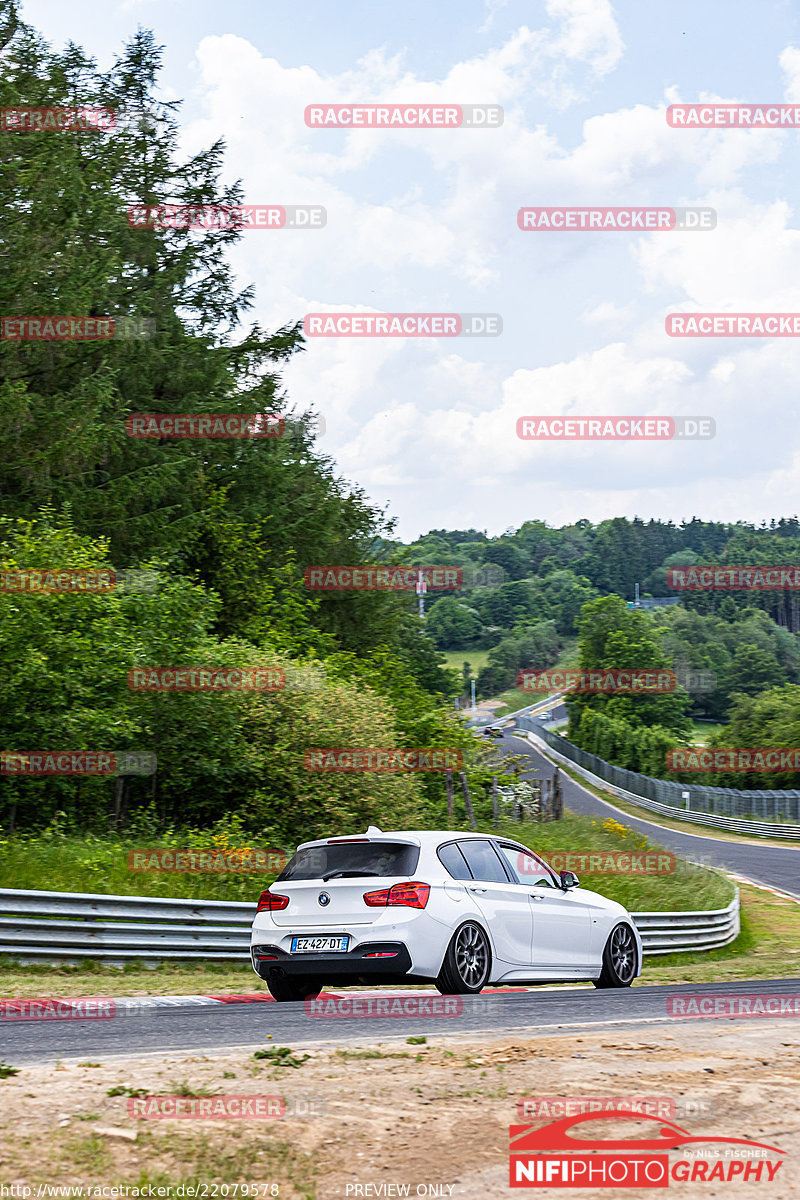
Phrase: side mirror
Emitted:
{"points": [[569, 880]]}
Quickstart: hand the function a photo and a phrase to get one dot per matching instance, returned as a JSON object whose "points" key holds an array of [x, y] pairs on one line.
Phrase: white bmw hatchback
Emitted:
{"points": [[461, 910]]}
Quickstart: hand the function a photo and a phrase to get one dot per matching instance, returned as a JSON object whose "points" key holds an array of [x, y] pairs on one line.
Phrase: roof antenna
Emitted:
{"points": [[374, 829]]}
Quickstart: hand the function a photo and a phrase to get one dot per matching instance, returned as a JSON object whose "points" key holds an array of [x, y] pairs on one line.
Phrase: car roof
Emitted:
{"points": [[420, 837]]}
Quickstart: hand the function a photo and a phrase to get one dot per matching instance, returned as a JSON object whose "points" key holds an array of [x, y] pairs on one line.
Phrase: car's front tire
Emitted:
{"points": [[467, 962], [619, 959], [293, 989]]}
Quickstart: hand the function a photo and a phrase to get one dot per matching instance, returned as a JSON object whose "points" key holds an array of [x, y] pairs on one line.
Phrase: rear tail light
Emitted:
{"points": [[406, 895], [269, 902]]}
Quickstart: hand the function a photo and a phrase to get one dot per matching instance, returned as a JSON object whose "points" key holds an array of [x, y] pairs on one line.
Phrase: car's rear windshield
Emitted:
{"points": [[368, 858]]}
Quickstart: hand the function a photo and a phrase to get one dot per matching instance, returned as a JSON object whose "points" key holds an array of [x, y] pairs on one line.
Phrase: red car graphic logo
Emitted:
{"points": [[526, 1139]]}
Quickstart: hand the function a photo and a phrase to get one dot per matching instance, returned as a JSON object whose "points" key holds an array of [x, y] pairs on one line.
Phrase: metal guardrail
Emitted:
{"points": [[675, 932], [65, 927], [558, 747]]}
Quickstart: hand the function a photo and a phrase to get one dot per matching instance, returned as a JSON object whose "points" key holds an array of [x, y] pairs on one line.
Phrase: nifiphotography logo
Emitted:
{"points": [[564, 1154]]}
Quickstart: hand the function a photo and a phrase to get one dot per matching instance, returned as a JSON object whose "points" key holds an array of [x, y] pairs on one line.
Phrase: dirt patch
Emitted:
{"points": [[432, 1116]]}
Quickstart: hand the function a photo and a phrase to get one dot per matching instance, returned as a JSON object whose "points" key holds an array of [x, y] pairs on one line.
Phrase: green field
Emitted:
{"points": [[702, 731], [455, 659]]}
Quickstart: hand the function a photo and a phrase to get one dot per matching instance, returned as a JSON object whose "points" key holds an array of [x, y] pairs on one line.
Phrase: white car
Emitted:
{"points": [[461, 910]]}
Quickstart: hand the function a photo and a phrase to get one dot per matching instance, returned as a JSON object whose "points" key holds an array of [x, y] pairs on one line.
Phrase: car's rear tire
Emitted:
{"points": [[283, 988], [467, 962], [619, 959]]}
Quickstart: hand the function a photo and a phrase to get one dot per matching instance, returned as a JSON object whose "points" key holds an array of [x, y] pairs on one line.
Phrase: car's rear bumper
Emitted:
{"points": [[271, 962]]}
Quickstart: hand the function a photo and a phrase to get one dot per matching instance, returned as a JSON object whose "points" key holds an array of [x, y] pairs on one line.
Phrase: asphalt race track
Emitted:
{"points": [[774, 866], [226, 1027]]}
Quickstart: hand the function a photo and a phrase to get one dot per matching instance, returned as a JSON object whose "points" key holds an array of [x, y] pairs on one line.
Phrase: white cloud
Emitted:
{"points": [[426, 221]]}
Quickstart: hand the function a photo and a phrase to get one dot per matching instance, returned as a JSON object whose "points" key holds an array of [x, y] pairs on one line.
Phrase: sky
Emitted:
{"points": [[425, 221]]}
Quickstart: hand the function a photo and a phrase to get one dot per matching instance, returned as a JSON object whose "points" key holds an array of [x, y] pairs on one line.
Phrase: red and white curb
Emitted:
{"points": [[94, 1008]]}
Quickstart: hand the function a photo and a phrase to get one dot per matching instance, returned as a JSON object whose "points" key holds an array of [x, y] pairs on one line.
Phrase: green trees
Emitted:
{"points": [[451, 623], [771, 719], [636, 748], [242, 512], [65, 687], [632, 728], [561, 596], [744, 648], [534, 646]]}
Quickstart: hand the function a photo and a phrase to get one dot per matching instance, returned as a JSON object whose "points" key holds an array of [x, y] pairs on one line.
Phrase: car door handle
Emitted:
{"points": [[474, 889], [537, 896]]}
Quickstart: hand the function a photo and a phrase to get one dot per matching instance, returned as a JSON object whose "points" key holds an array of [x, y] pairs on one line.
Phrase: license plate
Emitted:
{"points": [[322, 944]]}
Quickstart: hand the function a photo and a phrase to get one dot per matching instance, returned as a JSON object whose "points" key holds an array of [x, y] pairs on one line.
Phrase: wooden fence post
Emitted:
{"points": [[467, 799]]}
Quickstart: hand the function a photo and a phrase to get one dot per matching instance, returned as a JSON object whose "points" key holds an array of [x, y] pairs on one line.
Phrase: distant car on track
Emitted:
{"points": [[491, 732], [460, 910]]}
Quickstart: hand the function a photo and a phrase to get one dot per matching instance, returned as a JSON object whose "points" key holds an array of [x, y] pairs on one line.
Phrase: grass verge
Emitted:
{"points": [[767, 948], [65, 862]]}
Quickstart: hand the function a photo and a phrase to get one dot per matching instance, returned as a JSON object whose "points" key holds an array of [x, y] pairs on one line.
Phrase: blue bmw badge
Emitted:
{"points": [[324, 899]]}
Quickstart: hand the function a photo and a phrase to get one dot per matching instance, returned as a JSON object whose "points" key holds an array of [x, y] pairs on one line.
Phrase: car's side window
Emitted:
{"points": [[453, 861], [483, 861], [527, 868]]}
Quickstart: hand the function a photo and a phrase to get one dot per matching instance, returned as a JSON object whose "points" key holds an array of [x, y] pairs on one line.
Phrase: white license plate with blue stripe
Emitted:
{"points": [[320, 944]]}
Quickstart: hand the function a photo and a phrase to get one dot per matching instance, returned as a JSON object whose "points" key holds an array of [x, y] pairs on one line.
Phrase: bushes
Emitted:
{"points": [[640, 748], [536, 646]]}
